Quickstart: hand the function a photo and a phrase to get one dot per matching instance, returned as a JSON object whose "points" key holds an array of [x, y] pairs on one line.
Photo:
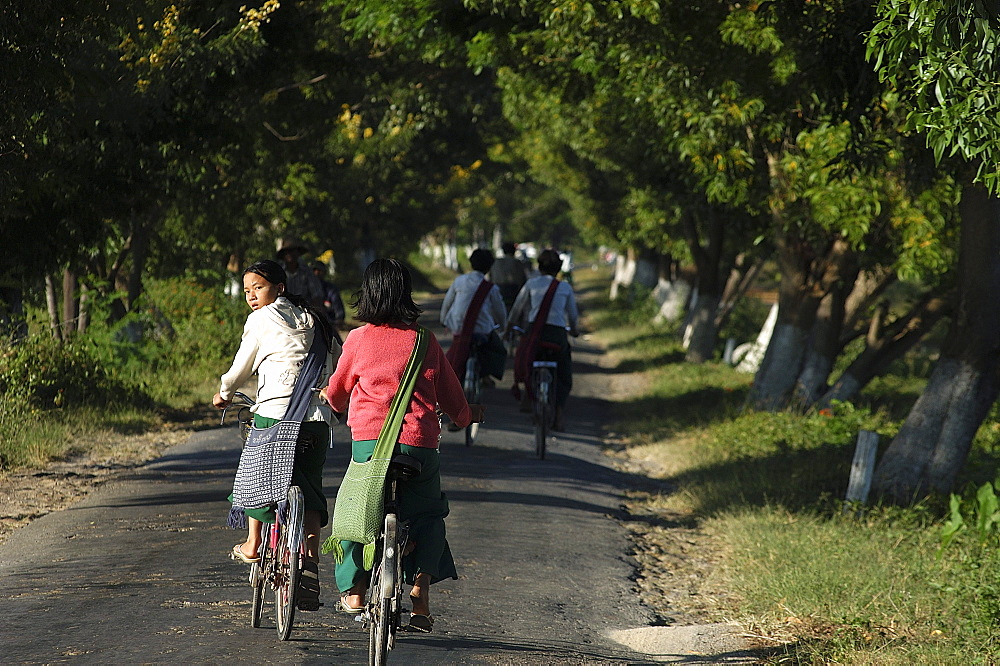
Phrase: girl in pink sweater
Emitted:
{"points": [[366, 379]]}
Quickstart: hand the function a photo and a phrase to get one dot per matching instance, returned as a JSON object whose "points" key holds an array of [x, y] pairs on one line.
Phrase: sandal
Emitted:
{"points": [[420, 623], [307, 598], [344, 606], [237, 554]]}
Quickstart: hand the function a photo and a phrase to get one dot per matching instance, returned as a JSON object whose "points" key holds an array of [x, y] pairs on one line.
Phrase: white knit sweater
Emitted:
{"points": [[276, 340]]}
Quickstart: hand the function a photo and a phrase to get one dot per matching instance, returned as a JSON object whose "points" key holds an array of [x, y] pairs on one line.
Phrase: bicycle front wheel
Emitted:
{"points": [[257, 582], [287, 565]]}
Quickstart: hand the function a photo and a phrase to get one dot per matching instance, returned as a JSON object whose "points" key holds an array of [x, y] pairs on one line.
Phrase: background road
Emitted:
{"points": [[139, 570]]}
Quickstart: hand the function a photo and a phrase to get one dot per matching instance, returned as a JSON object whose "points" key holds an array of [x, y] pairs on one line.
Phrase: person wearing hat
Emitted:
{"points": [[333, 304], [301, 280]]}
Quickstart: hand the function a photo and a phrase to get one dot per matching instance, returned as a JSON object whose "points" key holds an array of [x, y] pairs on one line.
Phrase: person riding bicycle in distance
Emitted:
{"points": [[471, 295], [562, 317], [509, 273]]}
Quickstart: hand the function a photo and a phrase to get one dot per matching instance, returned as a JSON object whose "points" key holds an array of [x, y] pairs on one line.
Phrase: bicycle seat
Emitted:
{"points": [[405, 466]]}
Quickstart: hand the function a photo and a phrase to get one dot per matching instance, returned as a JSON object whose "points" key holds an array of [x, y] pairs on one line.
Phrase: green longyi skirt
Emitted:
{"points": [[425, 506]]}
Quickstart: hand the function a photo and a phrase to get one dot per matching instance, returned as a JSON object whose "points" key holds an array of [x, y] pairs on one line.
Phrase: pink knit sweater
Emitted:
{"points": [[368, 374]]}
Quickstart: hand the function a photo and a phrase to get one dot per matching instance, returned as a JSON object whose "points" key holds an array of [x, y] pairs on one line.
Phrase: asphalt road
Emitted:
{"points": [[138, 571]]}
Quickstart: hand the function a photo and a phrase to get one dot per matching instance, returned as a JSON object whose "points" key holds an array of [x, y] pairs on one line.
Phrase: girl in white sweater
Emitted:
{"points": [[277, 337]]}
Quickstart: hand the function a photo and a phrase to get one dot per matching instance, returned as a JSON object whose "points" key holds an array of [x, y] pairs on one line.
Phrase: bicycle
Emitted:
{"points": [[282, 550], [542, 382], [384, 607], [473, 386]]}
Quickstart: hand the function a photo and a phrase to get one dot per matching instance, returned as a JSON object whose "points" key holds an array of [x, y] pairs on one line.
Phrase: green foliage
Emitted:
{"points": [[941, 56], [41, 373], [634, 305], [979, 515], [168, 353], [193, 332]]}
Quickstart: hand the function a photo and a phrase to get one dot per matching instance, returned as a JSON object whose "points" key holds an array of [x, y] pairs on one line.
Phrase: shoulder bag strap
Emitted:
{"points": [[461, 344], [472, 314], [527, 348], [312, 368]]}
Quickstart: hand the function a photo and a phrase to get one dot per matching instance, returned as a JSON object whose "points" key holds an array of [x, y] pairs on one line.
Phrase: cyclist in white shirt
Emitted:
{"points": [[562, 319]]}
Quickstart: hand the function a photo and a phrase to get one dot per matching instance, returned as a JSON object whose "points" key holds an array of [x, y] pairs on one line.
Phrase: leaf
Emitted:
{"points": [[987, 508]]}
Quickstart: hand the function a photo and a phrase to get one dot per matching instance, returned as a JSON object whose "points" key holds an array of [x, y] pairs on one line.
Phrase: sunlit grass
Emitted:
{"points": [[833, 586], [32, 440]]}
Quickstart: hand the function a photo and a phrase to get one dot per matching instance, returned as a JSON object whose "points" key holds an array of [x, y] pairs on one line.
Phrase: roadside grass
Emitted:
{"points": [[34, 440], [826, 583]]}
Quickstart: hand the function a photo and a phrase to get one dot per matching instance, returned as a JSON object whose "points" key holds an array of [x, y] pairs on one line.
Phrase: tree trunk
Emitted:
{"points": [[742, 274], [635, 266], [52, 303], [839, 279], [705, 241], [703, 331], [933, 443], [69, 307], [786, 352], [84, 317]]}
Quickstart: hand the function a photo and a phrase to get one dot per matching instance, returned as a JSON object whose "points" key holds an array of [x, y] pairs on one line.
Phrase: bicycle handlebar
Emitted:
{"points": [[241, 400]]}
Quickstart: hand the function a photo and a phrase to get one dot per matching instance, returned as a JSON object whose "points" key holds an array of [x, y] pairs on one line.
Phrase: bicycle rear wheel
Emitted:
{"points": [[381, 628], [543, 413], [287, 564], [472, 390], [541, 428]]}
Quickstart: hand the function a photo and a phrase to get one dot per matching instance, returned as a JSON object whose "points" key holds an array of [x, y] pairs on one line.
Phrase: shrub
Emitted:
{"points": [[41, 373]]}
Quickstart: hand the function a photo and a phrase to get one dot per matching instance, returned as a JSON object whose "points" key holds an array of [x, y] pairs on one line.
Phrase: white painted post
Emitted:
{"points": [[863, 467], [727, 356]]}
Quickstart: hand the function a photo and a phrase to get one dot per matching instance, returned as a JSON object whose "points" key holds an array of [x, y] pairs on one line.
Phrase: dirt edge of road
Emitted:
{"points": [[27, 494]]}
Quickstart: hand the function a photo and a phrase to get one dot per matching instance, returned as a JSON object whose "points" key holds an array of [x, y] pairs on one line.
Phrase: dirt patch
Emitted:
{"points": [[32, 493]]}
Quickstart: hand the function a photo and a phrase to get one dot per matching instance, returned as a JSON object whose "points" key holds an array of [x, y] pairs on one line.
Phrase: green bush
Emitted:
{"points": [[168, 352], [42, 373], [191, 333]]}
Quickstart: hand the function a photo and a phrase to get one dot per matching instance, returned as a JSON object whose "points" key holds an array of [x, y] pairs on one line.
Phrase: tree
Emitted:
{"points": [[941, 58]]}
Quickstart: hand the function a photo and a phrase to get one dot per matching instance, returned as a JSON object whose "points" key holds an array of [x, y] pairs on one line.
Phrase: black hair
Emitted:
{"points": [[481, 260], [508, 248], [386, 295], [270, 271], [549, 262], [275, 274]]}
